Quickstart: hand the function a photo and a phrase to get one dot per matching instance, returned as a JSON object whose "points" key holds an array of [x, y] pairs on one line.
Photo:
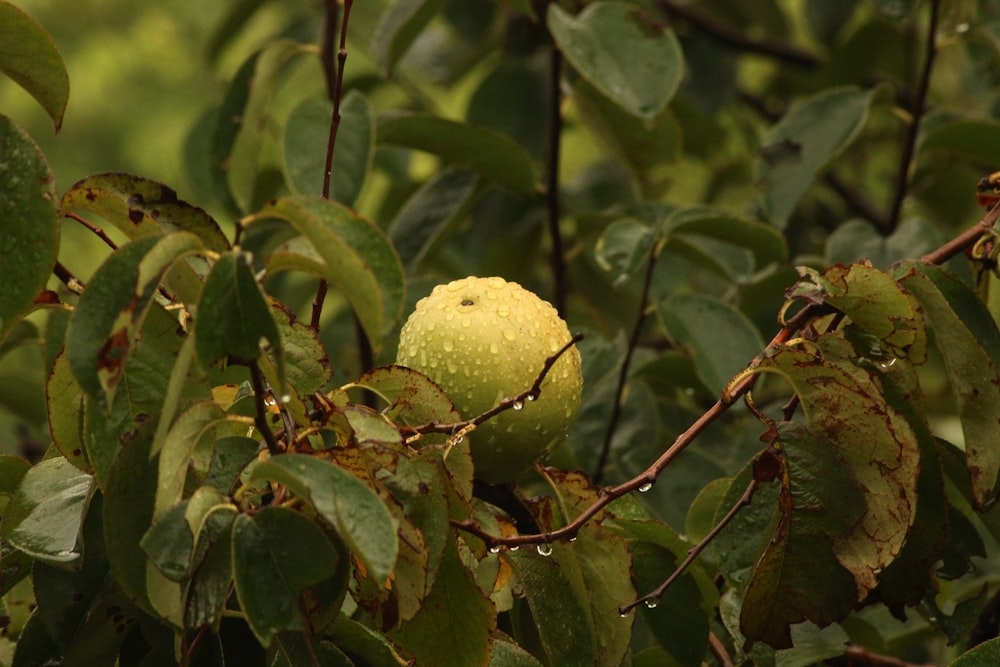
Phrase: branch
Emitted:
{"points": [[98, 231], [737, 38], [913, 128], [260, 410], [557, 259], [616, 408], [335, 88], [515, 402]]}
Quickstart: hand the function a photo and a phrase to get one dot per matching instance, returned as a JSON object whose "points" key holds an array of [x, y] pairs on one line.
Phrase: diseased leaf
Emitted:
{"points": [[29, 230], [967, 338], [64, 403], [642, 78], [356, 513], [413, 398], [356, 257], [820, 506], [30, 58]]}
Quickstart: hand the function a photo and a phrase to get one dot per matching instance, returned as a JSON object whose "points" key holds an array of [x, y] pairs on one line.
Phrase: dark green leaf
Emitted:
{"points": [[642, 78], [800, 145], [30, 58], [765, 242], [720, 338], [294, 650], [968, 140], [29, 231], [485, 151], [357, 514], [400, 24], [623, 249], [45, 514], [277, 554], [427, 213], [233, 315], [307, 365], [856, 240], [986, 654], [456, 620], [64, 403], [307, 130], [356, 255], [508, 654], [35, 646], [372, 648], [211, 580]]}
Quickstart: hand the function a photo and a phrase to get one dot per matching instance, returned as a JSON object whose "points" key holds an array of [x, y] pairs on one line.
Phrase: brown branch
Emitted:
{"points": [[260, 410], [913, 128], [557, 259], [66, 277], [98, 231], [736, 38], [530, 394], [616, 408], [857, 656]]}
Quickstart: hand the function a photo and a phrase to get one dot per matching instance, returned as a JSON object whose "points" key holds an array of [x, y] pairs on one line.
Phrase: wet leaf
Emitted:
{"points": [[277, 554], [44, 517], [413, 398], [307, 364], [640, 79], [359, 640], [356, 257], [356, 513], [30, 58], [64, 403], [209, 588], [29, 230]]}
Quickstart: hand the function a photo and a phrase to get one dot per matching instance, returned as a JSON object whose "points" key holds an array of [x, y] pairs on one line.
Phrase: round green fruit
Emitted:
{"points": [[486, 339]]}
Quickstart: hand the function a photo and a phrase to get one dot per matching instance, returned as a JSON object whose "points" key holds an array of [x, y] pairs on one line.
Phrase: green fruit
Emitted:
{"points": [[486, 339]]}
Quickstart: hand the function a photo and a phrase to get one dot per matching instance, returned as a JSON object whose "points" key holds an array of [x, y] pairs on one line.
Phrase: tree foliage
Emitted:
{"points": [[788, 451]]}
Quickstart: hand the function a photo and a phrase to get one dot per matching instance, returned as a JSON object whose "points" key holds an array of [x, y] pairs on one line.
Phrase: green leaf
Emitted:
{"points": [[103, 329], [967, 338], [720, 338], [307, 364], [359, 640], [456, 620], [623, 248], [429, 211], [642, 78], [357, 258], [30, 58], [277, 554], [970, 140], [44, 516], [29, 229], [855, 240], [355, 511], [233, 316], [414, 399], [400, 24], [293, 649], [195, 426], [802, 143], [268, 72], [508, 654], [765, 242], [308, 128], [485, 151], [984, 655], [209, 588], [820, 507]]}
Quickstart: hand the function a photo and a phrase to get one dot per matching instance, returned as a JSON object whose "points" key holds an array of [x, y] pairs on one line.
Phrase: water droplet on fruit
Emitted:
{"points": [[652, 602], [509, 334], [645, 487], [503, 311], [544, 549], [494, 348], [448, 345]]}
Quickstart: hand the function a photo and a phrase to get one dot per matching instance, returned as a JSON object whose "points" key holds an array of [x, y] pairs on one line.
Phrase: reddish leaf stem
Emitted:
{"points": [[98, 231]]}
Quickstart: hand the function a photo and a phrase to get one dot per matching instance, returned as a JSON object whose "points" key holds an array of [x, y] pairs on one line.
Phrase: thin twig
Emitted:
{"points": [[616, 408], [66, 277], [695, 551], [736, 37], [913, 128], [529, 394], [260, 411], [335, 88], [98, 231], [557, 259], [718, 649]]}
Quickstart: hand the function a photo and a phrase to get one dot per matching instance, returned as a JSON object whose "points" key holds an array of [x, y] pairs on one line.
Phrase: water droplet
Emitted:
{"points": [[887, 364], [652, 602], [623, 614], [962, 28], [286, 398], [573, 539], [544, 549], [494, 348], [518, 405], [645, 487], [495, 549], [448, 345], [509, 334], [514, 548], [532, 397]]}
